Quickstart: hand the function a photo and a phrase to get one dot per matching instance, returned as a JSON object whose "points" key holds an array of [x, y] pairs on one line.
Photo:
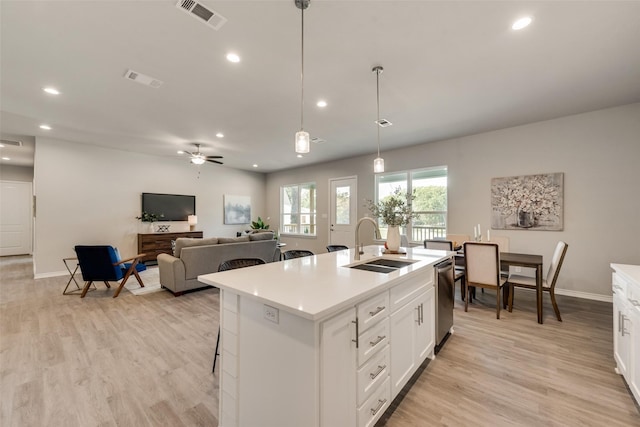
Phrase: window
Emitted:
{"points": [[430, 204], [298, 209]]}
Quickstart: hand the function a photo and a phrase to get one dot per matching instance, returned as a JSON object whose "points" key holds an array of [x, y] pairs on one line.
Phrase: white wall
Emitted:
{"points": [[598, 152], [91, 195]]}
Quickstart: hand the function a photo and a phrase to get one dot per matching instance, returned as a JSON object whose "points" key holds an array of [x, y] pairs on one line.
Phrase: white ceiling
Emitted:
{"points": [[451, 68]]}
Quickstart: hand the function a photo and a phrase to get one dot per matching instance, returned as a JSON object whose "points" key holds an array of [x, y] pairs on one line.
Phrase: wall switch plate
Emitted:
{"points": [[271, 313], [518, 269]]}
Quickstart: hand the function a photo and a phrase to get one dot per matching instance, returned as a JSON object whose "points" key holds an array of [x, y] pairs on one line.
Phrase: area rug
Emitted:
{"points": [[151, 279]]}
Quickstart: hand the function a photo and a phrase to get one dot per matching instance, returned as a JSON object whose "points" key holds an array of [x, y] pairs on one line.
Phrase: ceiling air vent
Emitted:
{"points": [[7, 142], [142, 79], [384, 123], [203, 13]]}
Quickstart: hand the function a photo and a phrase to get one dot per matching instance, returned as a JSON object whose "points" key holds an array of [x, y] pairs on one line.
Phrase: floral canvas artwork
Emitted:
{"points": [[528, 202]]}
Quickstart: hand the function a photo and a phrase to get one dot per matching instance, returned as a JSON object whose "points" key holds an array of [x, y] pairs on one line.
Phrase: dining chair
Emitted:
{"points": [[232, 264], [459, 271], [335, 248], [458, 239], [503, 246], [548, 283], [482, 265], [296, 253], [102, 263]]}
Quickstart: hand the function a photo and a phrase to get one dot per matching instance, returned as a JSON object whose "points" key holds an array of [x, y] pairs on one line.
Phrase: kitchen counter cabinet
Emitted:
{"points": [[310, 342]]}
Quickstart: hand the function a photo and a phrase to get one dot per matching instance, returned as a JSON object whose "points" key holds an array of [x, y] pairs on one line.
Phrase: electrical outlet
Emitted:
{"points": [[271, 313]]}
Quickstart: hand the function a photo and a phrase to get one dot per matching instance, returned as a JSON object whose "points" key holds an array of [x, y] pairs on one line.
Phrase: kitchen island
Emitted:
{"points": [[314, 342]]}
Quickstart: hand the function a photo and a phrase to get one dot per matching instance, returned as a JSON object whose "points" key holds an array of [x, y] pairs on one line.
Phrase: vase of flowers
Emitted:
{"points": [[394, 211]]}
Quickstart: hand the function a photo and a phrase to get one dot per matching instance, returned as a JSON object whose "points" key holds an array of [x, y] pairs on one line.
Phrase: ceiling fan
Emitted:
{"points": [[197, 158]]}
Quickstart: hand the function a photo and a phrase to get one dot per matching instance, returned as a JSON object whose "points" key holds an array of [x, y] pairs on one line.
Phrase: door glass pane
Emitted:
{"points": [[343, 195]]}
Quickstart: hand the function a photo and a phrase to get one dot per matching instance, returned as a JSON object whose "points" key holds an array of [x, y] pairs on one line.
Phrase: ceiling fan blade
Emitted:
{"points": [[214, 157], [215, 161], [189, 153]]}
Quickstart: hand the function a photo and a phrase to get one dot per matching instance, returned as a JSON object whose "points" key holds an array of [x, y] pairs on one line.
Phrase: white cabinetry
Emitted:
{"points": [[412, 332], [626, 324]]}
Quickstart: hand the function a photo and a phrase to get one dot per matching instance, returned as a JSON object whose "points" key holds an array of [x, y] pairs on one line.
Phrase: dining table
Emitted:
{"points": [[508, 259]]}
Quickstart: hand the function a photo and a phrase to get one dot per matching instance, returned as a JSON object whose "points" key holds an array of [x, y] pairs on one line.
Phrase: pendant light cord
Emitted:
{"points": [[378, 103], [302, 72]]}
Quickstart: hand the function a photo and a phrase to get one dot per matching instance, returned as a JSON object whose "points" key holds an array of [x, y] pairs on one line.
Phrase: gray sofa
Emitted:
{"points": [[194, 257]]}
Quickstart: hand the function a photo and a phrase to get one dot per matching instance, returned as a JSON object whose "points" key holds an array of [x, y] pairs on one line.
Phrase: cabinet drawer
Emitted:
{"points": [[403, 293], [373, 310], [372, 374], [374, 407], [373, 340]]}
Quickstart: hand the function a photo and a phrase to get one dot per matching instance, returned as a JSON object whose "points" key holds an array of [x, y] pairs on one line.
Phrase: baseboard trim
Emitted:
{"points": [[51, 274], [584, 295], [577, 294]]}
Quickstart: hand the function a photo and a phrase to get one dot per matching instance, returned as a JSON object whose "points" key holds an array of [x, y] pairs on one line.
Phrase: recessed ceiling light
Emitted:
{"points": [[220, 135], [1, 145], [255, 165], [180, 152], [521, 23], [233, 57], [51, 90], [6, 158], [45, 127], [322, 103], [299, 156]]}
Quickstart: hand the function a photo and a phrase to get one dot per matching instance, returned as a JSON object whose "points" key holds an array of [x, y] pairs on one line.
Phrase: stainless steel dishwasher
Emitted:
{"points": [[445, 293]]}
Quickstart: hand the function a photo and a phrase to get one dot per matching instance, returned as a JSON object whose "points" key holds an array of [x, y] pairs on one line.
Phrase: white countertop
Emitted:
{"points": [[631, 271], [318, 286]]}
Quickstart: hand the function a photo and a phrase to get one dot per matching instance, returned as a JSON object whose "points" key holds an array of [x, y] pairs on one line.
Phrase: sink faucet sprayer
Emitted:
{"points": [[378, 236]]}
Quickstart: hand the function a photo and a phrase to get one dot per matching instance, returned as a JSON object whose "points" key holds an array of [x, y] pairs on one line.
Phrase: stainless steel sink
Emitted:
{"points": [[394, 263], [382, 265]]}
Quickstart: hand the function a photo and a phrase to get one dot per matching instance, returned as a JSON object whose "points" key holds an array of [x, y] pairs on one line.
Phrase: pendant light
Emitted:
{"points": [[302, 137], [378, 163]]}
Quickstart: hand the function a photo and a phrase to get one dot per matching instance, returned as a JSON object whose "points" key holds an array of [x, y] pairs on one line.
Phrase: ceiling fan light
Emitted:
{"points": [[378, 165], [197, 160], [302, 142]]}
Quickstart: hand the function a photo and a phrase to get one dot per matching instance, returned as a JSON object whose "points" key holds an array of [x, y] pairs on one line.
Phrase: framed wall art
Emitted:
{"points": [[528, 202], [237, 209]]}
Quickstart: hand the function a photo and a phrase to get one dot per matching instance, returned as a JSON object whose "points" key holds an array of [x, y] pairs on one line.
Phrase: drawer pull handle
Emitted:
{"points": [[378, 310], [381, 403], [376, 342], [381, 368], [357, 340]]}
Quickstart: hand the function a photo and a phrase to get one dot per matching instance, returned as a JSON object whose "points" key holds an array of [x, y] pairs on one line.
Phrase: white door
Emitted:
{"points": [[15, 218], [343, 211]]}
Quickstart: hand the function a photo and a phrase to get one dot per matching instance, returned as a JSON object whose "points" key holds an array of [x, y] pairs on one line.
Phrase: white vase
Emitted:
{"points": [[393, 238], [151, 228]]}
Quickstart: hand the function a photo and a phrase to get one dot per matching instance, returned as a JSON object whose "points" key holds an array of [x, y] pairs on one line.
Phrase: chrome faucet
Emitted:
{"points": [[378, 236]]}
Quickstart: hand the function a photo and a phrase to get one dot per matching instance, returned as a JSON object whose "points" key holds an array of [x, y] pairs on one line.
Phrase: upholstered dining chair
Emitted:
{"points": [[447, 245], [503, 246], [102, 263], [482, 265], [458, 239], [335, 248], [232, 264], [296, 253], [548, 283]]}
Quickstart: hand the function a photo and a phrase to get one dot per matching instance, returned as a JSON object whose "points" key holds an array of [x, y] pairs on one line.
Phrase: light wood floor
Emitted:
{"points": [[146, 361]]}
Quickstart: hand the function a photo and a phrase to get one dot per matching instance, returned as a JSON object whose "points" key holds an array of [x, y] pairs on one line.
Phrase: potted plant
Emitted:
{"points": [[394, 211], [150, 218], [259, 225]]}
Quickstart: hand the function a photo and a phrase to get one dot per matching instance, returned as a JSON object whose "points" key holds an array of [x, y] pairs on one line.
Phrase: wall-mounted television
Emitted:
{"points": [[169, 207]]}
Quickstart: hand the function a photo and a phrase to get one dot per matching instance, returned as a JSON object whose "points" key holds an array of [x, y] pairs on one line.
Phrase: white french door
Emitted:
{"points": [[343, 211]]}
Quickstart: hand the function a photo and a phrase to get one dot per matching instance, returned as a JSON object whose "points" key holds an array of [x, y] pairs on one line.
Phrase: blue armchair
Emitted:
{"points": [[102, 263]]}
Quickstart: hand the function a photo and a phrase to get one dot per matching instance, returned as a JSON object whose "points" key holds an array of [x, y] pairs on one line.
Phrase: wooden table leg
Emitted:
{"points": [[539, 292]]}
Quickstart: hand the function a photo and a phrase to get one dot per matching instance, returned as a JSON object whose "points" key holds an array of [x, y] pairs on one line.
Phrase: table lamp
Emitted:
{"points": [[192, 220]]}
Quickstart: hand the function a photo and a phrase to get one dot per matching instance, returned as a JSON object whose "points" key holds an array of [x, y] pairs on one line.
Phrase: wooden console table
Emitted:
{"points": [[153, 244]]}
